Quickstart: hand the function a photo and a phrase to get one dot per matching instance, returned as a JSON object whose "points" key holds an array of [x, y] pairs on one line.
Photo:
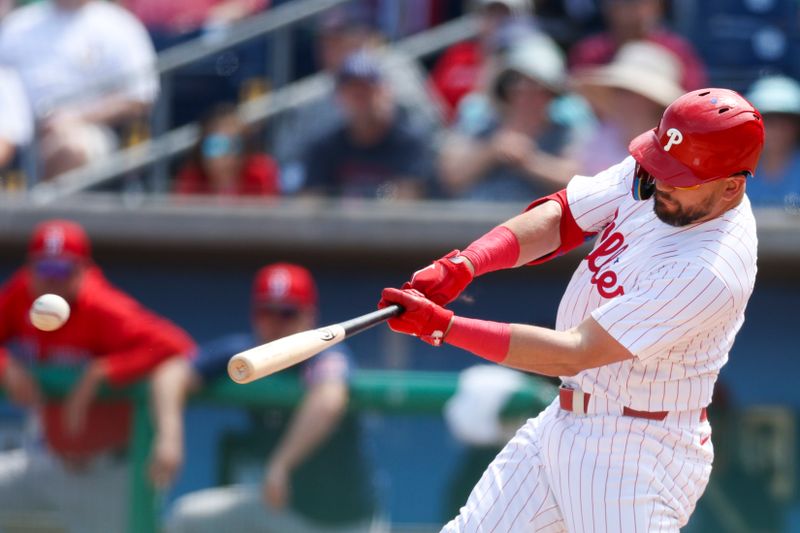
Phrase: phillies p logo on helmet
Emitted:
{"points": [[675, 137], [54, 241]]}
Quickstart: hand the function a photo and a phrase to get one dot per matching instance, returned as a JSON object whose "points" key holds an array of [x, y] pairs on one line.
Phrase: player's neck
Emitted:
{"points": [[723, 207]]}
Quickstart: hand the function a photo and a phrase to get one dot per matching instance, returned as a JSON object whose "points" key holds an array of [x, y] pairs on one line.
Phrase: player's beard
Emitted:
{"points": [[671, 212]]}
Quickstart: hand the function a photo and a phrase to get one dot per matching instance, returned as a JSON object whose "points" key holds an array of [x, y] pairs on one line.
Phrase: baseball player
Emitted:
{"points": [[114, 340], [643, 328], [317, 478]]}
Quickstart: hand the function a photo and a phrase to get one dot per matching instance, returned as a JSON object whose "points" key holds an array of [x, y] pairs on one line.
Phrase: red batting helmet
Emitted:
{"points": [[704, 135]]}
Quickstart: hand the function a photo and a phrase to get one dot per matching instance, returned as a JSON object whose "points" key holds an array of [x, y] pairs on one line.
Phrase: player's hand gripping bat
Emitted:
{"points": [[274, 356]]}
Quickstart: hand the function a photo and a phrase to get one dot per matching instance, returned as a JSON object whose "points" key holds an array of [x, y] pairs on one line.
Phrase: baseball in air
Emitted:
{"points": [[49, 312]]}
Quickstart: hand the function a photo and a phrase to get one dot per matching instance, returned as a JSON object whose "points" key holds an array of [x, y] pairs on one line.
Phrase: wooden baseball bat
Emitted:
{"points": [[274, 356]]}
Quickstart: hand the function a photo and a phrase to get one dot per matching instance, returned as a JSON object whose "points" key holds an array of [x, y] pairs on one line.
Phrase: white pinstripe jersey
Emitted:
{"points": [[673, 296]]}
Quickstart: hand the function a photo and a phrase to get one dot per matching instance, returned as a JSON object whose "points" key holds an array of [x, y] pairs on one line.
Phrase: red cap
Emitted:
{"points": [[284, 285], [704, 135], [59, 239]]}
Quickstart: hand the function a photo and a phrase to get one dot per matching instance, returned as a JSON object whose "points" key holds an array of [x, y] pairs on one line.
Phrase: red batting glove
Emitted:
{"points": [[443, 280], [421, 318]]}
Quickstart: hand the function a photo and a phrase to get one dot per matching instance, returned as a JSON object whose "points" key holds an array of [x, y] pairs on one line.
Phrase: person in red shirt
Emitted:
{"points": [[220, 163], [635, 20], [458, 71], [114, 340]]}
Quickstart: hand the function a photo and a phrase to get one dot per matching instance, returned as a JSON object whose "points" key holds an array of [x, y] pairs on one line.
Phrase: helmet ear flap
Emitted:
{"points": [[644, 185]]}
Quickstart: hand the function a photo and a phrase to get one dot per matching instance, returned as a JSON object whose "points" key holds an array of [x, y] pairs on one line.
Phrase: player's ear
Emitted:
{"points": [[734, 186]]}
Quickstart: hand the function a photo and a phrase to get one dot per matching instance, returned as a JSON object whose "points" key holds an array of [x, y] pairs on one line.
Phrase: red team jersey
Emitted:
{"points": [[104, 323], [258, 177]]}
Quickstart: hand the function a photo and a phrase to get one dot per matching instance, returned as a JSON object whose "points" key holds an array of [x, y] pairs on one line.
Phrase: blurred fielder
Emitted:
{"points": [[83, 460], [316, 478]]}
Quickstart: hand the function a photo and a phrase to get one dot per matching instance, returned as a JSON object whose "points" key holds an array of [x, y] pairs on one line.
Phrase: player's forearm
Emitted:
{"points": [[544, 351], [536, 349], [314, 421], [169, 387], [529, 348], [516, 242]]}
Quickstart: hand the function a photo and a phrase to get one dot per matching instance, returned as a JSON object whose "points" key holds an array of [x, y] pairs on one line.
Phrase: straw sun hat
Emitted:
{"points": [[642, 67]]}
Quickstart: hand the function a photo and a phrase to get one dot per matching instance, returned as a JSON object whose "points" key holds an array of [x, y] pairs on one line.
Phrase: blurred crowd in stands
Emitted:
{"points": [[544, 90]]}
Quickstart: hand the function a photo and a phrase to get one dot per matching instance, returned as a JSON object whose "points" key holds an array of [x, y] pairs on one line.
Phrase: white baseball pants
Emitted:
{"points": [[594, 473]]}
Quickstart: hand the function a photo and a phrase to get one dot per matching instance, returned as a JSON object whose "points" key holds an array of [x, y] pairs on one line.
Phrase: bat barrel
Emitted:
{"points": [[274, 356]]}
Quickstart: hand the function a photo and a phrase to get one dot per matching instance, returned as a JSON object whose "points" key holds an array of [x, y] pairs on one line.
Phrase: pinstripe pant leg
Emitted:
{"points": [[613, 473], [513, 495]]}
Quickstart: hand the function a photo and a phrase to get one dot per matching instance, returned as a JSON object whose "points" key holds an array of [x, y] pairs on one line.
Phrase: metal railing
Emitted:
{"points": [[393, 392], [163, 147], [275, 21]]}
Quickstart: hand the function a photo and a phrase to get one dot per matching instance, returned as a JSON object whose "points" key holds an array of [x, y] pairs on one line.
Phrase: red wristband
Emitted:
{"points": [[496, 250], [485, 338]]}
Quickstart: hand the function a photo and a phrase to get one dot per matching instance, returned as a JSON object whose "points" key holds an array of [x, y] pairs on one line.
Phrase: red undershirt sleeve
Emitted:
{"points": [[571, 233]]}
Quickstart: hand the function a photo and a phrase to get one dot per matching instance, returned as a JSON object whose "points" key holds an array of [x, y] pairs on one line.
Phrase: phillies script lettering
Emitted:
{"points": [[611, 246]]}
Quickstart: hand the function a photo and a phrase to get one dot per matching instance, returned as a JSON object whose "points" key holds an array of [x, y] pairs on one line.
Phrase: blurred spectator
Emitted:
{"points": [[400, 19], [171, 22], [568, 20], [80, 472], [222, 164], [628, 95], [377, 152], [316, 475], [777, 180], [16, 123], [87, 66], [459, 70], [474, 110], [634, 20], [521, 154], [342, 32], [220, 77]]}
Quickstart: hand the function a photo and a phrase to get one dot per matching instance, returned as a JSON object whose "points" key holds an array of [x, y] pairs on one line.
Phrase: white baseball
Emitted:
{"points": [[49, 312]]}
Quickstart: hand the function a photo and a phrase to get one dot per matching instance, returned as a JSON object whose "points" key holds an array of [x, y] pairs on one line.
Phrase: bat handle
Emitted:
{"points": [[359, 324]]}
